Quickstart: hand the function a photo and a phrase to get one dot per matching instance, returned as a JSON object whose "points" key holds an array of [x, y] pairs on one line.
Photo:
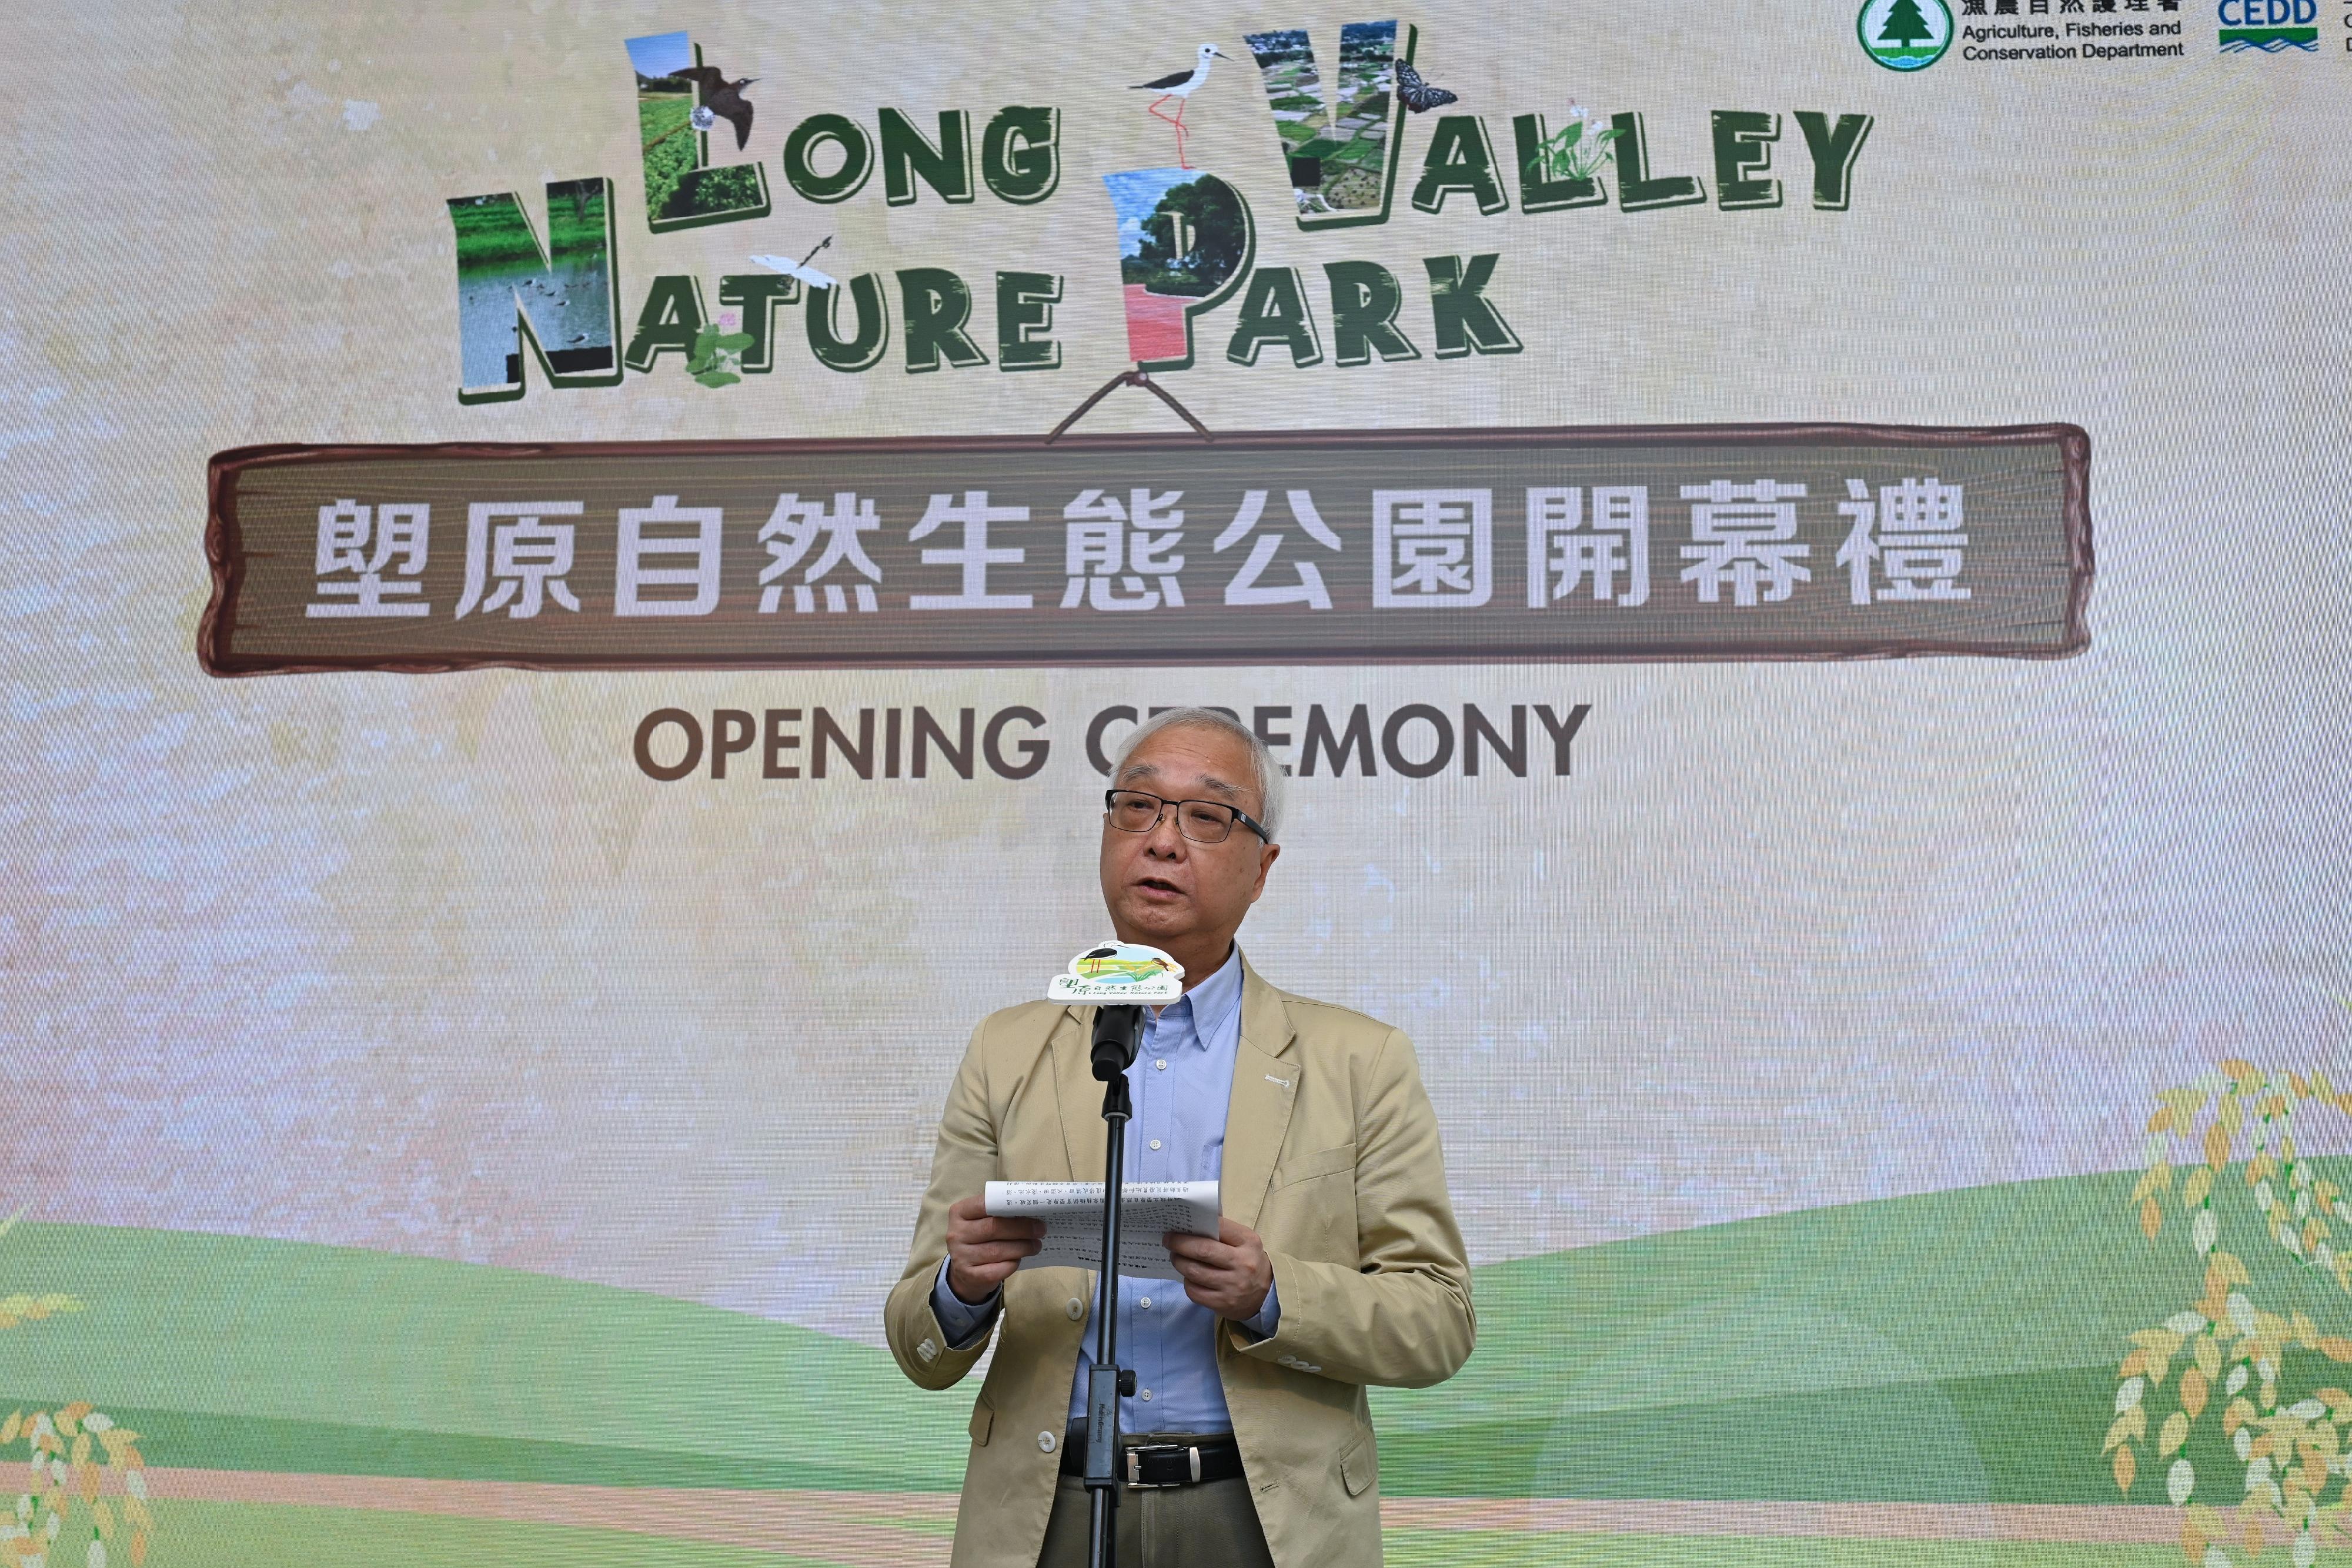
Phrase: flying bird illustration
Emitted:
{"points": [[722, 98], [1180, 87], [800, 268]]}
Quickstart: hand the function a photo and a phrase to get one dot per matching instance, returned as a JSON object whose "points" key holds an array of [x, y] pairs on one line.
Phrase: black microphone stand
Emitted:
{"points": [[1116, 1028]]}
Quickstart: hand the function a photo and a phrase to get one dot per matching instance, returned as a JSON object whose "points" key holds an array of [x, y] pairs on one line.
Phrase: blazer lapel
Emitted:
{"points": [[1079, 1097], [1266, 1087]]}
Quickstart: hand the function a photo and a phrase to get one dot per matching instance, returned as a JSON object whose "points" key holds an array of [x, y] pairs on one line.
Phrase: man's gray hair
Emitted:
{"points": [[1269, 771]]}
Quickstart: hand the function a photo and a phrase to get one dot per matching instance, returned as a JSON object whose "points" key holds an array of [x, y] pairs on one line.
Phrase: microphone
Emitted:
{"points": [[1117, 1031], [1119, 978]]}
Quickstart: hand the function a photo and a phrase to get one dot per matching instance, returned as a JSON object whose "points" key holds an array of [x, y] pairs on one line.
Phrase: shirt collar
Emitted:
{"points": [[1212, 1002]]}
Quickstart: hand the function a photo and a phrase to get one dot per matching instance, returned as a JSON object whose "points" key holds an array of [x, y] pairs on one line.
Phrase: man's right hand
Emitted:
{"points": [[981, 1251]]}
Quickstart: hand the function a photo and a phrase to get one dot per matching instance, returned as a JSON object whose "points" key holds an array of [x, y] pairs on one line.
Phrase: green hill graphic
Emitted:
{"points": [[1957, 1346], [233, 1353]]}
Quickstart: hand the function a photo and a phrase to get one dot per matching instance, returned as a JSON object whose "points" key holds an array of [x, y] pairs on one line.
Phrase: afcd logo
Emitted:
{"points": [[1912, 35], [2270, 25]]}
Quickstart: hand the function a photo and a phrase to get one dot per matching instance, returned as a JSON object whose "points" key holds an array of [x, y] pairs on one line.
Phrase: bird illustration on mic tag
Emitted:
{"points": [[1180, 87], [721, 100]]}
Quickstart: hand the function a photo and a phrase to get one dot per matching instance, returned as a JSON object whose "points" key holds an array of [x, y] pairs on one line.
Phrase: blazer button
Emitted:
{"points": [[1045, 1442], [1076, 1308]]}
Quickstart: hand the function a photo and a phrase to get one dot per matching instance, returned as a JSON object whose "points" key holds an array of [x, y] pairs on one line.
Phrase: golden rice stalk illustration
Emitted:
{"points": [[74, 1451], [2296, 1447], [71, 1454], [23, 1307]]}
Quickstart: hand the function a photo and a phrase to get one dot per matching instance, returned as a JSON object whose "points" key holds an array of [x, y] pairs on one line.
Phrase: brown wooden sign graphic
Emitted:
{"points": [[1720, 542]]}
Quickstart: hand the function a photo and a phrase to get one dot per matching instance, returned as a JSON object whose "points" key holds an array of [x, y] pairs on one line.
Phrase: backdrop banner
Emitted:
{"points": [[574, 575], [1386, 522]]}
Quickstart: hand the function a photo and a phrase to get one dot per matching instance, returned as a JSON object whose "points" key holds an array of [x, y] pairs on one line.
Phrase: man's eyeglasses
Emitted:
{"points": [[1203, 821]]}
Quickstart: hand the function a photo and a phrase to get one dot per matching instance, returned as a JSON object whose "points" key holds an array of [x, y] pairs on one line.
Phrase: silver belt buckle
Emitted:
{"points": [[1135, 1465]]}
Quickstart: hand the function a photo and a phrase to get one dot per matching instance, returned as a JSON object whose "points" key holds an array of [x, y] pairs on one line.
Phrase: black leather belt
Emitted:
{"points": [[1160, 1459]]}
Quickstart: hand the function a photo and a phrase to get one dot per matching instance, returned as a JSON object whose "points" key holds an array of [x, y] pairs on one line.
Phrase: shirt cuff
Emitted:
{"points": [[962, 1320], [1269, 1316]]}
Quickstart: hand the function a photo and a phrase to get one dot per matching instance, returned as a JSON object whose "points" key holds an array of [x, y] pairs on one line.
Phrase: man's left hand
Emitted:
{"points": [[1230, 1276]]}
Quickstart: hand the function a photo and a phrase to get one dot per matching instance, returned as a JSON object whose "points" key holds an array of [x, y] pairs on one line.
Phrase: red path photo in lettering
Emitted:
{"points": [[1155, 325]]}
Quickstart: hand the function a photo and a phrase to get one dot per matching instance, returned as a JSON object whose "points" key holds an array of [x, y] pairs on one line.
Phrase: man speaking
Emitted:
{"points": [[1336, 1264]]}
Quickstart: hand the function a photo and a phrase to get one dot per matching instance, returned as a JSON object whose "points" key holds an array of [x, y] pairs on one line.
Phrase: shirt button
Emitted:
{"points": [[1045, 1442], [1162, 1064], [1147, 1303], [1155, 1143], [1147, 1394], [1076, 1308]]}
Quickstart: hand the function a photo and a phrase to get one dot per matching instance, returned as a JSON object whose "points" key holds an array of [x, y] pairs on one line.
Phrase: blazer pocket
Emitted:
{"points": [[982, 1420], [1320, 1162], [1359, 1467]]}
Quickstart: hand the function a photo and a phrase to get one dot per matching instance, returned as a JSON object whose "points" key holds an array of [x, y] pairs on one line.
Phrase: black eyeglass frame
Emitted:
{"points": [[1244, 818]]}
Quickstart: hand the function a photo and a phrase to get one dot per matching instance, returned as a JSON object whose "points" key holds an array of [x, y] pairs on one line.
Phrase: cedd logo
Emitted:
{"points": [[2270, 25]]}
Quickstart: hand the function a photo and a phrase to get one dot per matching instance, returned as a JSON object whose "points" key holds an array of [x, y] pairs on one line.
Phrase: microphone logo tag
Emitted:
{"points": [[1119, 973]]}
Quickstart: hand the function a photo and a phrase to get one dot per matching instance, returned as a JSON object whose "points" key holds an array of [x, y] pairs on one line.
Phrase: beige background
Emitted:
{"points": [[426, 963]]}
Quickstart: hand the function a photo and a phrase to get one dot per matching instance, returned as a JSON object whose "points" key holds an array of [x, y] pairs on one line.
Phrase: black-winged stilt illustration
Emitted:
{"points": [[1180, 87]]}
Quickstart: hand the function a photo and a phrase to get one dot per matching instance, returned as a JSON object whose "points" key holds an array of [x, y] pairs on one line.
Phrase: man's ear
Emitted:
{"points": [[1266, 856]]}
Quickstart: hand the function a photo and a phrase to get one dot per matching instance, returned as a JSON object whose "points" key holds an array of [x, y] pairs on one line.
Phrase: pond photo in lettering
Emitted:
{"points": [[560, 297]]}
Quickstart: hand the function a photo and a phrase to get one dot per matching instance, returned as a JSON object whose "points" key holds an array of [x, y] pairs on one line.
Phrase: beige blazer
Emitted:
{"points": [[1331, 1155]]}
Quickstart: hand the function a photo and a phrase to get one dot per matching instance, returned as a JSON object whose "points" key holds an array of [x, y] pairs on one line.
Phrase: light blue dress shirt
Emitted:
{"points": [[1182, 1082]]}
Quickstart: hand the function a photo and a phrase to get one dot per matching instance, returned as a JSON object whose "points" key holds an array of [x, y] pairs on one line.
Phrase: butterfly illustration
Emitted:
{"points": [[1419, 95]]}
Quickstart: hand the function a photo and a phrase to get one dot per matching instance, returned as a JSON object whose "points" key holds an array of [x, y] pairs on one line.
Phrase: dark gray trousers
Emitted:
{"points": [[1213, 1525]]}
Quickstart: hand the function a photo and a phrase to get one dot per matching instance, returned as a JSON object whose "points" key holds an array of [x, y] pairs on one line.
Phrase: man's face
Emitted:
{"points": [[1161, 887]]}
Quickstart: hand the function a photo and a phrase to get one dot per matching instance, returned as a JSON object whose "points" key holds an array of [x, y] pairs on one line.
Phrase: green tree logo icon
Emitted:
{"points": [[1905, 24], [1905, 34]]}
